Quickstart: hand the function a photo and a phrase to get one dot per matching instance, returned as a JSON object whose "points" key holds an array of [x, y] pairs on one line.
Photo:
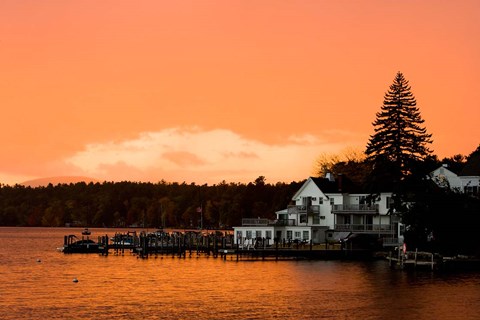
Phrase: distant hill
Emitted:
{"points": [[42, 182]]}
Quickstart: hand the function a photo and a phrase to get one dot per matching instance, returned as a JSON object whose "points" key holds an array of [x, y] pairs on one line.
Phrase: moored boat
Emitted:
{"points": [[80, 246]]}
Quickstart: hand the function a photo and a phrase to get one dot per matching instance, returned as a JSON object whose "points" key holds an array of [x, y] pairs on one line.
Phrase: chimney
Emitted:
{"points": [[340, 182], [329, 176]]}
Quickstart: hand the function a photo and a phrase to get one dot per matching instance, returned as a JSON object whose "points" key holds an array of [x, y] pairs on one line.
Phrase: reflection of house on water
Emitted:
{"points": [[327, 211]]}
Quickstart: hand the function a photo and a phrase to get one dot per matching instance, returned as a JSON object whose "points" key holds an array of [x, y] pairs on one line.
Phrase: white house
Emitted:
{"points": [[324, 210], [445, 178]]}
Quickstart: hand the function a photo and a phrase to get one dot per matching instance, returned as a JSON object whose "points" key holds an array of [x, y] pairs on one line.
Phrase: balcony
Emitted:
{"points": [[249, 222], [285, 222], [355, 209], [365, 228], [310, 210], [255, 222]]}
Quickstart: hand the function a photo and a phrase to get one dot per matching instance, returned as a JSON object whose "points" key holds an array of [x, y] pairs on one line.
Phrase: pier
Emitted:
{"points": [[415, 260], [429, 261], [215, 244]]}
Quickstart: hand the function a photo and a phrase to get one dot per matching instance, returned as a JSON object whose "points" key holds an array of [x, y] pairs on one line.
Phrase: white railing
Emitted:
{"points": [[311, 209], [251, 222], [255, 222], [352, 208], [373, 228]]}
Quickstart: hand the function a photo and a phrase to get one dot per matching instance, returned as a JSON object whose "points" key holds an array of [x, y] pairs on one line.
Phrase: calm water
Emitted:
{"points": [[124, 287]]}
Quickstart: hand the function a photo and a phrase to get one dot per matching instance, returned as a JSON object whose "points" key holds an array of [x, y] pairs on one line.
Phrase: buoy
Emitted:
{"points": [[75, 280], [38, 260]]}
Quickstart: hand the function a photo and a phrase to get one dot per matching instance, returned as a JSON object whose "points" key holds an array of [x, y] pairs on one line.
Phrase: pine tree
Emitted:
{"points": [[399, 140]]}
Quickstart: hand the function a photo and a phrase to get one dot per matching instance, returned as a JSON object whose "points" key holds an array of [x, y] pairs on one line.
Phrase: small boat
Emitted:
{"points": [[80, 246], [86, 232]]}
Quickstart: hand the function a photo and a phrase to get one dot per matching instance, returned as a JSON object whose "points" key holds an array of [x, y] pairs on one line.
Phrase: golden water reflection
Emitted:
{"points": [[118, 287]]}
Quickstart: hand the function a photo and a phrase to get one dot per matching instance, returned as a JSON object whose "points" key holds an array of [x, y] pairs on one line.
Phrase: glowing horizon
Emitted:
{"points": [[206, 92]]}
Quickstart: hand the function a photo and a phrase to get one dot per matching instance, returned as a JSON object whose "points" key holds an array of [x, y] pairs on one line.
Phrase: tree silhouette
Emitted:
{"points": [[399, 140]]}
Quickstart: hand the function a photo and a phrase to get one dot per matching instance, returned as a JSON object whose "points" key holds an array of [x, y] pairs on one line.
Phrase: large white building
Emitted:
{"points": [[445, 178], [325, 210]]}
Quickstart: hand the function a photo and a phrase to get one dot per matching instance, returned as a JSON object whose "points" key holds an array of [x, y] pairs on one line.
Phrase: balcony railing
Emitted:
{"points": [[355, 208], [311, 209], [285, 222], [365, 228], [255, 222], [250, 222]]}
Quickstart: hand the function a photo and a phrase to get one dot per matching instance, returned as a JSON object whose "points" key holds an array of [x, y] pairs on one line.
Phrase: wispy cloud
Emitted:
{"points": [[200, 156]]}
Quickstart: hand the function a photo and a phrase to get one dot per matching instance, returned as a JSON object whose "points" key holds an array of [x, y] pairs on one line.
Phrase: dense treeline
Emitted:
{"points": [[152, 205]]}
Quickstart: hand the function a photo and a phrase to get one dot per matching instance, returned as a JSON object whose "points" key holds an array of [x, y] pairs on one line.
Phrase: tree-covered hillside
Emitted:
{"points": [[143, 204]]}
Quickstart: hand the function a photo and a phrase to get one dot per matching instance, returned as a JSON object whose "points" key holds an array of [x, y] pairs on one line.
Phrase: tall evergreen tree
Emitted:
{"points": [[399, 140]]}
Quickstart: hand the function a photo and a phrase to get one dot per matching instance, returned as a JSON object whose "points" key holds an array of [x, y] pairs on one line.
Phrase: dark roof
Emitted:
{"points": [[342, 184]]}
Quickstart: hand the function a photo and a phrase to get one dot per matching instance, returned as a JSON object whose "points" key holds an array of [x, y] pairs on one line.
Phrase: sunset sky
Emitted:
{"points": [[205, 91]]}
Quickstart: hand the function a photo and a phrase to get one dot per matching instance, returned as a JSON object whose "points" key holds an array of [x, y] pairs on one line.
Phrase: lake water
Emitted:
{"points": [[125, 287]]}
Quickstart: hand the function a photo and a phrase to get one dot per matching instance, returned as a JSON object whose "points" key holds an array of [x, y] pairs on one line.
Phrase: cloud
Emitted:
{"points": [[183, 158], [200, 156]]}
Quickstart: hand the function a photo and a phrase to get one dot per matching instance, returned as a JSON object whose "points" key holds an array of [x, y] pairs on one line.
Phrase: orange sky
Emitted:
{"points": [[205, 91]]}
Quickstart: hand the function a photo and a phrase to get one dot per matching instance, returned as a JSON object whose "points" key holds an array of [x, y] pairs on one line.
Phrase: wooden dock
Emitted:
{"points": [[188, 244], [415, 260]]}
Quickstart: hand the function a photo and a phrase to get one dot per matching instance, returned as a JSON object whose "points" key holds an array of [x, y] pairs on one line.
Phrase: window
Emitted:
{"points": [[279, 235], [303, 218], [320, 200], [297, 234], [249, 234], [332, 201], [316, 219], [289, 234], [239, 234], [307, 201], [258, 233], [389, 203], [268, 234], [306, 235], [472, 190]]}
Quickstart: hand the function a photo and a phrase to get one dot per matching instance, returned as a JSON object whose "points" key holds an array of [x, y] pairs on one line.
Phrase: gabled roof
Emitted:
{"points": [[341, 185], [446, 170], [304, 185], [327, 185]]}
